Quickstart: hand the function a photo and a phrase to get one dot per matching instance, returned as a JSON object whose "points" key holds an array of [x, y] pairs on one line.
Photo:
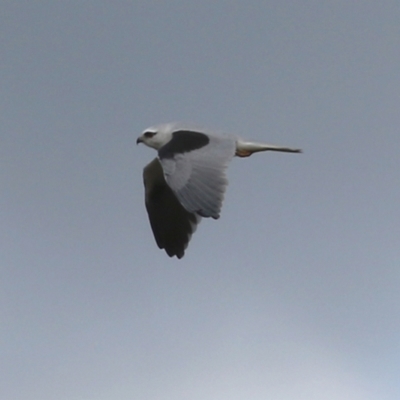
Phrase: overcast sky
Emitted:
{"points": [[294, 293]]}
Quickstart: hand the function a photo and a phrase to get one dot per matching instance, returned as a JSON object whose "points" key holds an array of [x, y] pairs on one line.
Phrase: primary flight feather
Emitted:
{"points": [[187, 180]]}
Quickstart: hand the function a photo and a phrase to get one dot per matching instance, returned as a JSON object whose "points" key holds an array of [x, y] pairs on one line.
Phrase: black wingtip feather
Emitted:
{"points": [[171, 223]]}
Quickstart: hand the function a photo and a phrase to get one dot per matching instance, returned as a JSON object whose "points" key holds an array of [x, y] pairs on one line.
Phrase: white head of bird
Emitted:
{"points": [[156, 136]]}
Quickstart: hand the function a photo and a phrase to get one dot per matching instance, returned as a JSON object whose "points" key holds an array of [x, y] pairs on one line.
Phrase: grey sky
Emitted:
{"points": [[292, 294]]}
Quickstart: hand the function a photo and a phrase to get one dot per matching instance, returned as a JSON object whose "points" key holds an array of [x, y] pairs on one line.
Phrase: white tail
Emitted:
{"points": [[246, 149]]}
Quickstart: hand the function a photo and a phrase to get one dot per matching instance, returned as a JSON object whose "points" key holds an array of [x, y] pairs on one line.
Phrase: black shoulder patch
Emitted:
{"points": [[183, 142]]}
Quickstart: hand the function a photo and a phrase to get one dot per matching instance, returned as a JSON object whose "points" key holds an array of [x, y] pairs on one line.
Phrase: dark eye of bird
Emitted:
{"points": [[149, 134]]}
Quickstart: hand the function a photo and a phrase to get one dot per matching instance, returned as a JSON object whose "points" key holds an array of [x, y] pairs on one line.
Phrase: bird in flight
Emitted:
{"points": [[187, 180]]}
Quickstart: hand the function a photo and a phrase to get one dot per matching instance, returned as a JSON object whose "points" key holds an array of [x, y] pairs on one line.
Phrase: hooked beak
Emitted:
{"points": [[139, 140]]}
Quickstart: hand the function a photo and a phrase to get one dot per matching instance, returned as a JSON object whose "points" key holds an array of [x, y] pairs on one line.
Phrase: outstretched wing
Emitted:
{"points": [[171, 223], [194, 167]]}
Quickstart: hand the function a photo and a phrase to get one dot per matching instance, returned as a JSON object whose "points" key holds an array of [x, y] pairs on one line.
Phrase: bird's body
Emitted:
{"points": [[187, 180]]}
